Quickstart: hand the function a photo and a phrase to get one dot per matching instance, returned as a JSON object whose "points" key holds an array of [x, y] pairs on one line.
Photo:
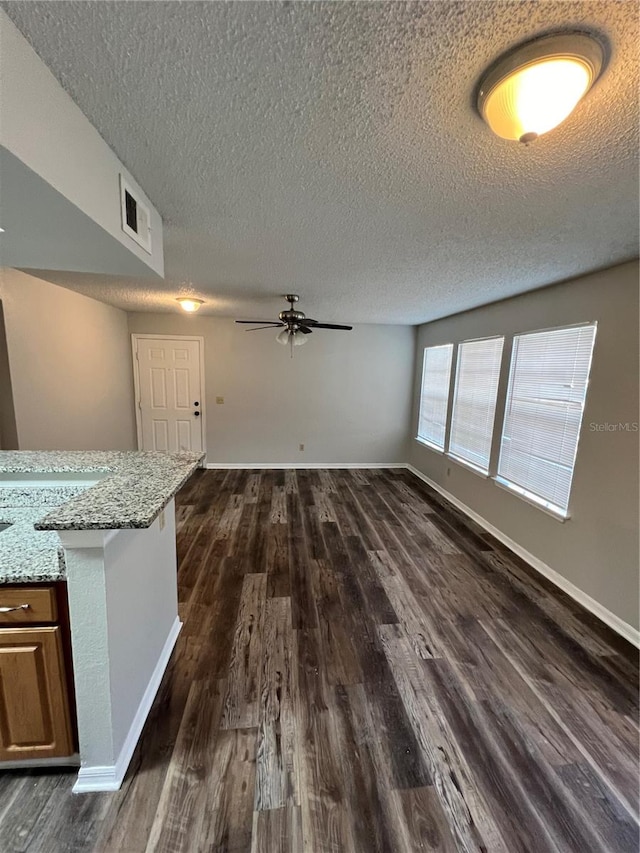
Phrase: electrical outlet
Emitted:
{"points": [[301, 447], [219, 401]]}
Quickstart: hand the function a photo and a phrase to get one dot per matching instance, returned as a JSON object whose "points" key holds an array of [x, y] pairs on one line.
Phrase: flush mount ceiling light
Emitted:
{"points": [[535, 87], [189, 304]]}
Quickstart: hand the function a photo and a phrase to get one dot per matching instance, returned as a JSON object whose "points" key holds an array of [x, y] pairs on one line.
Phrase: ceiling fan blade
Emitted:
{"points": [[270, 326], [304, 330], [309, 322], [265, 322], [331, 326]]}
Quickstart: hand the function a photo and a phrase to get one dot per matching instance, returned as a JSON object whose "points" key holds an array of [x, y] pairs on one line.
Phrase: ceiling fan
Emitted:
{"points": [[295, 325]]}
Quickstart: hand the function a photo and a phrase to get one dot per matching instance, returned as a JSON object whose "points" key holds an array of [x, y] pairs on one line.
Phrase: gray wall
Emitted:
{"points": [[8, 431], [70, 363], [345, 395], [597, 548]]}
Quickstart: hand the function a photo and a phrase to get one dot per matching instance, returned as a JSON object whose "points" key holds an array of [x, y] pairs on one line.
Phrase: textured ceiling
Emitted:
{"points": [[332, 149]]}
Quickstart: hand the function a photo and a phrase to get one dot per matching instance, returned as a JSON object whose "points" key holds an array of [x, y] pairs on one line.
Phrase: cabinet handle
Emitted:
{"points": [[11, 609]]}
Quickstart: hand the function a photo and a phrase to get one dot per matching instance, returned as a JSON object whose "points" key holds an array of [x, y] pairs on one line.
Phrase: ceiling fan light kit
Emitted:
{"points": [[295, 325], [536, 86]]}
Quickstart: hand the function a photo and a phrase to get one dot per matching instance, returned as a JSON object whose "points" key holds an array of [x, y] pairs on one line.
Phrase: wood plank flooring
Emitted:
{"points": [[361, 669]]}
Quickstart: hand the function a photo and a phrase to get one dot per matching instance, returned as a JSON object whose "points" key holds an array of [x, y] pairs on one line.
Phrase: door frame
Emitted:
{"points": [[136, 380]]}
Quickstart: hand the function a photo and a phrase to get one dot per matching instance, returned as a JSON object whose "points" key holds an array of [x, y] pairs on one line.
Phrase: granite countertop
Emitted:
{"points": [[28, 555], [134, 488]]}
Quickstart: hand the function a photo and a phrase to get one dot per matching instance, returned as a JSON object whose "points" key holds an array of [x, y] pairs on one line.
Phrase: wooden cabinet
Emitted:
{"points": [[28, 604], [34, 698]]}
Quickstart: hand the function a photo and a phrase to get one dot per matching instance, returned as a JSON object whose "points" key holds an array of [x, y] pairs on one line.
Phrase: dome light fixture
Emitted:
{"points": [[190, 304], [534, 88]]}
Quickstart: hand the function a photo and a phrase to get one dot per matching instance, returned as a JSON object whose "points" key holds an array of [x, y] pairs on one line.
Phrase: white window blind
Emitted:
{"points": [[434, 399], [474, 401], [545, 400]]}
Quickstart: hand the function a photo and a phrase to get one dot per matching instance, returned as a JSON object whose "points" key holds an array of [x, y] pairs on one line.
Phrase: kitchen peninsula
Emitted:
{"points": [[91, 533]]}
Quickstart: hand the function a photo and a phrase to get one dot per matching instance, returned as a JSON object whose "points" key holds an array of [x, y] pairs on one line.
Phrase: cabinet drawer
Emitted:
{"points": [[40, 604]]}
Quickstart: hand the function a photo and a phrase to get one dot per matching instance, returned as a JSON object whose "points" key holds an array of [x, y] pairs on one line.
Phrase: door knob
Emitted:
{"points": [[197, 414], [196, 403]]}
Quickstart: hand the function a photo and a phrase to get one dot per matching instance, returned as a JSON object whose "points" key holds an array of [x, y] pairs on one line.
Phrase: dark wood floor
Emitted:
{"points": [[361, 669]]}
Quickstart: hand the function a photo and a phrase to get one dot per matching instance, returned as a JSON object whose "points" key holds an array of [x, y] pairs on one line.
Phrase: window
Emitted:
{"points": [[474, 401], [545, 400], [434, 399]]}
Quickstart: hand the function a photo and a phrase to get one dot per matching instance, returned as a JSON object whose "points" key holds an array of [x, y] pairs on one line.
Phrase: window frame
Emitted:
{"points": [[461, 460], [501, 414], [427, 442], [554, 510]]}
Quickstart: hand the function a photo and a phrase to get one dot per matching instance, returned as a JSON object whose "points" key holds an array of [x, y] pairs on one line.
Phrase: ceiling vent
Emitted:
{"points": [[136, 221]]}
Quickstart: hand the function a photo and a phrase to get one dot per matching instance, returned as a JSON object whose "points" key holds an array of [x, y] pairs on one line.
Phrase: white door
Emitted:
{"points": [[170, 406]]}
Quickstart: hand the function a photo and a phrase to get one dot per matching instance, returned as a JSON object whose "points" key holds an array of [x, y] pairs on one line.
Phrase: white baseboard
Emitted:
{"points": [[109, 777], [614, 622], [295, 465]]}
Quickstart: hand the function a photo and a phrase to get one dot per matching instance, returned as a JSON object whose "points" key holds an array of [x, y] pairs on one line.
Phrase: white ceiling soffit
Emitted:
{"points": [[43, 229], [332, 150]]}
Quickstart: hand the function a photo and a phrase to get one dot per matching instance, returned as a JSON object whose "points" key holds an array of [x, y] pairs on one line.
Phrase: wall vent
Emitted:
{"points": [[136, 220]]}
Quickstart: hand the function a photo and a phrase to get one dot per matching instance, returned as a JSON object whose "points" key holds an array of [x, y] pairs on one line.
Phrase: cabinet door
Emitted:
{"points": [[34, 706]]}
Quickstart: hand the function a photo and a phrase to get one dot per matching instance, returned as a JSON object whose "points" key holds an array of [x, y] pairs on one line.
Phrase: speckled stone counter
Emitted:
{"points": [[28, 555], [134, 488], [139, 485], [25, 496]]}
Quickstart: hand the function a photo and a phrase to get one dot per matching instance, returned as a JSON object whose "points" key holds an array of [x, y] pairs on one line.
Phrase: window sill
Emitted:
{"points": [[428, 444], [556, 514], [469, 466]]}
